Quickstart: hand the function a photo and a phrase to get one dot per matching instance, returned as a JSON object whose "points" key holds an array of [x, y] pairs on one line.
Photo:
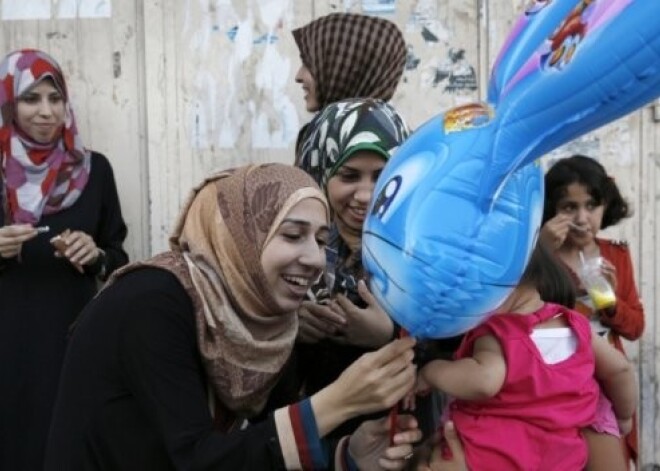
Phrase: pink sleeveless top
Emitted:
{"points": [[534, 421]]}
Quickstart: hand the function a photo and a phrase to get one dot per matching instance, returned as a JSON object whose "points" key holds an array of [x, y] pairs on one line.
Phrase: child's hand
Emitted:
{"points": [[422, 388], [554, 232]]}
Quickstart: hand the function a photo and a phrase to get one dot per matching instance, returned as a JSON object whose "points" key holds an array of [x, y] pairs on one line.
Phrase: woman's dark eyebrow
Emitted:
{"points": [[303, 222]]}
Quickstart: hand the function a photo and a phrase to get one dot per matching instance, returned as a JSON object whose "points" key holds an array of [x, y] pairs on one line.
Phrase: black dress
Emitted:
{"points": [[40, 297], [133, 394]]}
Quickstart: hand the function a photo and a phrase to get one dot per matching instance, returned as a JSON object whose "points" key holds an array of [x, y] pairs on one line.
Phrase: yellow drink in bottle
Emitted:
{"points": [[602, 299]]}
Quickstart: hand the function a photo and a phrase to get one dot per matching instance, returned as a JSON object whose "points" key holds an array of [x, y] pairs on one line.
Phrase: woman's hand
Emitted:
{"points": [[317, 321], [375, 381], [554, 231], [432, 460], [370, 327], [370, 448], [12, 238], [80, 249]]}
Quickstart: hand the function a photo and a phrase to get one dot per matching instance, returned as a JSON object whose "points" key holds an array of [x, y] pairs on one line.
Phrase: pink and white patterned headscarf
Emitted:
{"points": [[37, 178]]}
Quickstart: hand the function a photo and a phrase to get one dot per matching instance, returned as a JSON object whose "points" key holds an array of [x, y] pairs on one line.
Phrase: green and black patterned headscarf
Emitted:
{"points": [[345, 127]]}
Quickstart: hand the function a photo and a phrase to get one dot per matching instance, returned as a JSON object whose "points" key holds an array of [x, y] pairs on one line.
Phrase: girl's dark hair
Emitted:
{"points": [[546, 273], [588, 172]]}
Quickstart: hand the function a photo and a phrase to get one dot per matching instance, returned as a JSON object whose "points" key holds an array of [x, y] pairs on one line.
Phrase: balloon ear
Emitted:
{"points": [[601, 62], [531, 31]]}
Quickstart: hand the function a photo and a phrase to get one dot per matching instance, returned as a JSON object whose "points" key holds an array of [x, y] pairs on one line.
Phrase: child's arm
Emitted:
{"points": [[478, 377], [615, 375]]}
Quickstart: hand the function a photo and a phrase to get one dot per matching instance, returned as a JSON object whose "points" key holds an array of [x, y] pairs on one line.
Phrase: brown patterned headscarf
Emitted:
{"points": [[216, 247], [352, 56]]}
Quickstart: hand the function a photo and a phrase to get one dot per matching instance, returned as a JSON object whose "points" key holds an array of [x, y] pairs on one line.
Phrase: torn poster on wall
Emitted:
{"points": [[238, 90]]}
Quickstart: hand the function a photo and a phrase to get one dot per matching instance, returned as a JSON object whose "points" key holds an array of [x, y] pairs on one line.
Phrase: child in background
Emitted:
{"points": [[581, 199], [529, 369]]}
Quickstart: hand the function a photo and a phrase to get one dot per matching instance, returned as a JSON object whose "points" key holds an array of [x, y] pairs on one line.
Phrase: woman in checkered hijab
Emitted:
{"points": [[346, 55]]}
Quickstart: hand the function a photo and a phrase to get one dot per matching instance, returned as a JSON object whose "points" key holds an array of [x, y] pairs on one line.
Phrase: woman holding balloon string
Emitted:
{"points": [[172, 356], [581, 199]]}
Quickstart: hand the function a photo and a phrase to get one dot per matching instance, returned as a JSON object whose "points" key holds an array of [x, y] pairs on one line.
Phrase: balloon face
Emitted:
{"points": [[439, 257]]}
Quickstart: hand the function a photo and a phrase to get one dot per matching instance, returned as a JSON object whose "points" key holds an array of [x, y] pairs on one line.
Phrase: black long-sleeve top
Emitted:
{"points": [[133, 394], [40, 297]]}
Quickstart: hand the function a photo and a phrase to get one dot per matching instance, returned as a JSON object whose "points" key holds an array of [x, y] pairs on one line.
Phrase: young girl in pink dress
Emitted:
{"points": [[526, 381]]}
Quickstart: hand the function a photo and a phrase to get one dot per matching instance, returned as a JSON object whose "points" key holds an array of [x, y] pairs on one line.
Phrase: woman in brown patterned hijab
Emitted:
{"points": [[346, 55], [176, 351], [351, 56]]}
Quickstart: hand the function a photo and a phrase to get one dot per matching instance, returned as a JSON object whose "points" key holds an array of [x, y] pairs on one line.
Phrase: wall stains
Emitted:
{"points": [[266, 38], [56, 35], [428, 36], [460, 76], [412, 61], [116, 64]]}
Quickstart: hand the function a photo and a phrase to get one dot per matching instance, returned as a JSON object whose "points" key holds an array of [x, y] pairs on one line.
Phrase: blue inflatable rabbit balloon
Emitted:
{"points": [[457, 209]]}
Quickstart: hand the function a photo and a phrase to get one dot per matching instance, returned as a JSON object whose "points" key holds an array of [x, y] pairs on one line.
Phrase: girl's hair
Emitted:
{"points": [[588, 172], [546, 273]]}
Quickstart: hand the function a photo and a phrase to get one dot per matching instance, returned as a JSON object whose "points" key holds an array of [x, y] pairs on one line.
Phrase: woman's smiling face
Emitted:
{"points": [[295, 256], [305, 77], [351, 188], [40, 112]]}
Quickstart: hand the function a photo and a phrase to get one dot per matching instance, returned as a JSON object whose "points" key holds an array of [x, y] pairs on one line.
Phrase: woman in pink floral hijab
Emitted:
{"points": [[40, 175], [51, 188]]}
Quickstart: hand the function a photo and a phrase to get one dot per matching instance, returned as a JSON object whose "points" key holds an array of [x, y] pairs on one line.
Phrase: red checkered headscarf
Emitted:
{"points": [[352, 56], [37, 178]]}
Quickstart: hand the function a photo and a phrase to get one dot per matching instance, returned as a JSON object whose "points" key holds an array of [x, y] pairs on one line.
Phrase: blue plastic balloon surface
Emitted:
{"points": [[457, 209]]}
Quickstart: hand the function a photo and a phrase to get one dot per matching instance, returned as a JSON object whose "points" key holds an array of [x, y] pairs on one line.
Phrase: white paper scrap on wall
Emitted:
{"points": [[82, 8], [62, 9], [22, 10]]}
